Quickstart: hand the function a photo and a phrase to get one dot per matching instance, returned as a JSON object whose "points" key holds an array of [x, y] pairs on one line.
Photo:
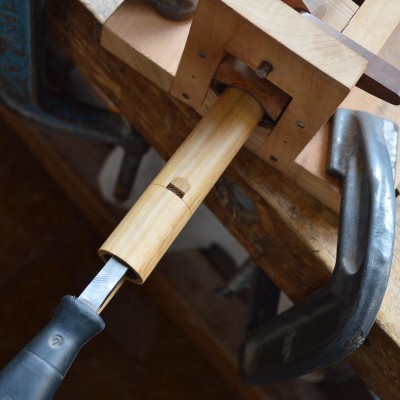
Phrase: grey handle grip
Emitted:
{"points": [[37, 371]]}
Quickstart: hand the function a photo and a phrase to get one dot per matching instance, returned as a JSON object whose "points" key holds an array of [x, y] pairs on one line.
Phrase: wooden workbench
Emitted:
{"points": [[290, 234]]}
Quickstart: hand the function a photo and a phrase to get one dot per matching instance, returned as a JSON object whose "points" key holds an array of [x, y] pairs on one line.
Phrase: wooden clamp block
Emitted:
{"points": [[316, 71]]}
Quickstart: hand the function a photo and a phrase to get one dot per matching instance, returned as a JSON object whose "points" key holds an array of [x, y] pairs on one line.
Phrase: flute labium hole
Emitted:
{"points": [[175, 190]]}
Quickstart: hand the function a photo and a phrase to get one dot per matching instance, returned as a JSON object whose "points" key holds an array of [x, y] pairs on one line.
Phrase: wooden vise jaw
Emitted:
{"points": [[310, 66], [312, 71]]}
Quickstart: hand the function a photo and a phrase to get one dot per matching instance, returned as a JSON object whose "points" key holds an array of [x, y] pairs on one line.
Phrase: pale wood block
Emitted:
{"points": [[310, 167], [268, 30], [147, 42], [306, 40], [336, 13], [311, 172]]}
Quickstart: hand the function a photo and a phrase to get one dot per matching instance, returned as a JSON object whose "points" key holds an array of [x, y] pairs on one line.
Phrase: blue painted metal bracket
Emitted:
{"points": [[22, 61], [23, 89]]}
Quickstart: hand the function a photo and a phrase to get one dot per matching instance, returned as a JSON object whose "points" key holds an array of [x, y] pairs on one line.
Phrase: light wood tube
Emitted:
{"points": [[156, 219]]}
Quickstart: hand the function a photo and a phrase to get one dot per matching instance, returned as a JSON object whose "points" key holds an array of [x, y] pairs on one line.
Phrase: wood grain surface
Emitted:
{"points": [[374, 23], [146, 41], [336, 13]]}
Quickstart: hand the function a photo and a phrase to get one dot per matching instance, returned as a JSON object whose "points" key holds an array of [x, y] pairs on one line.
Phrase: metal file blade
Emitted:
{"points": [[104, 285]]}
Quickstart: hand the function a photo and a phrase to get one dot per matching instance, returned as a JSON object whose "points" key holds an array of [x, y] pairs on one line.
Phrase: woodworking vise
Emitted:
{"points": [[269, 75]]}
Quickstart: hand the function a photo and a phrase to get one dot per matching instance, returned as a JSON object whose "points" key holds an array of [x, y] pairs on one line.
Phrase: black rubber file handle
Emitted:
{"points": [[37, 371]]}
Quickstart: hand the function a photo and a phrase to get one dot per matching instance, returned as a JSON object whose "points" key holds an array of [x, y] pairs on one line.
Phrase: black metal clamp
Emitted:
{"points": [[333, 322], [23, 88]]}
